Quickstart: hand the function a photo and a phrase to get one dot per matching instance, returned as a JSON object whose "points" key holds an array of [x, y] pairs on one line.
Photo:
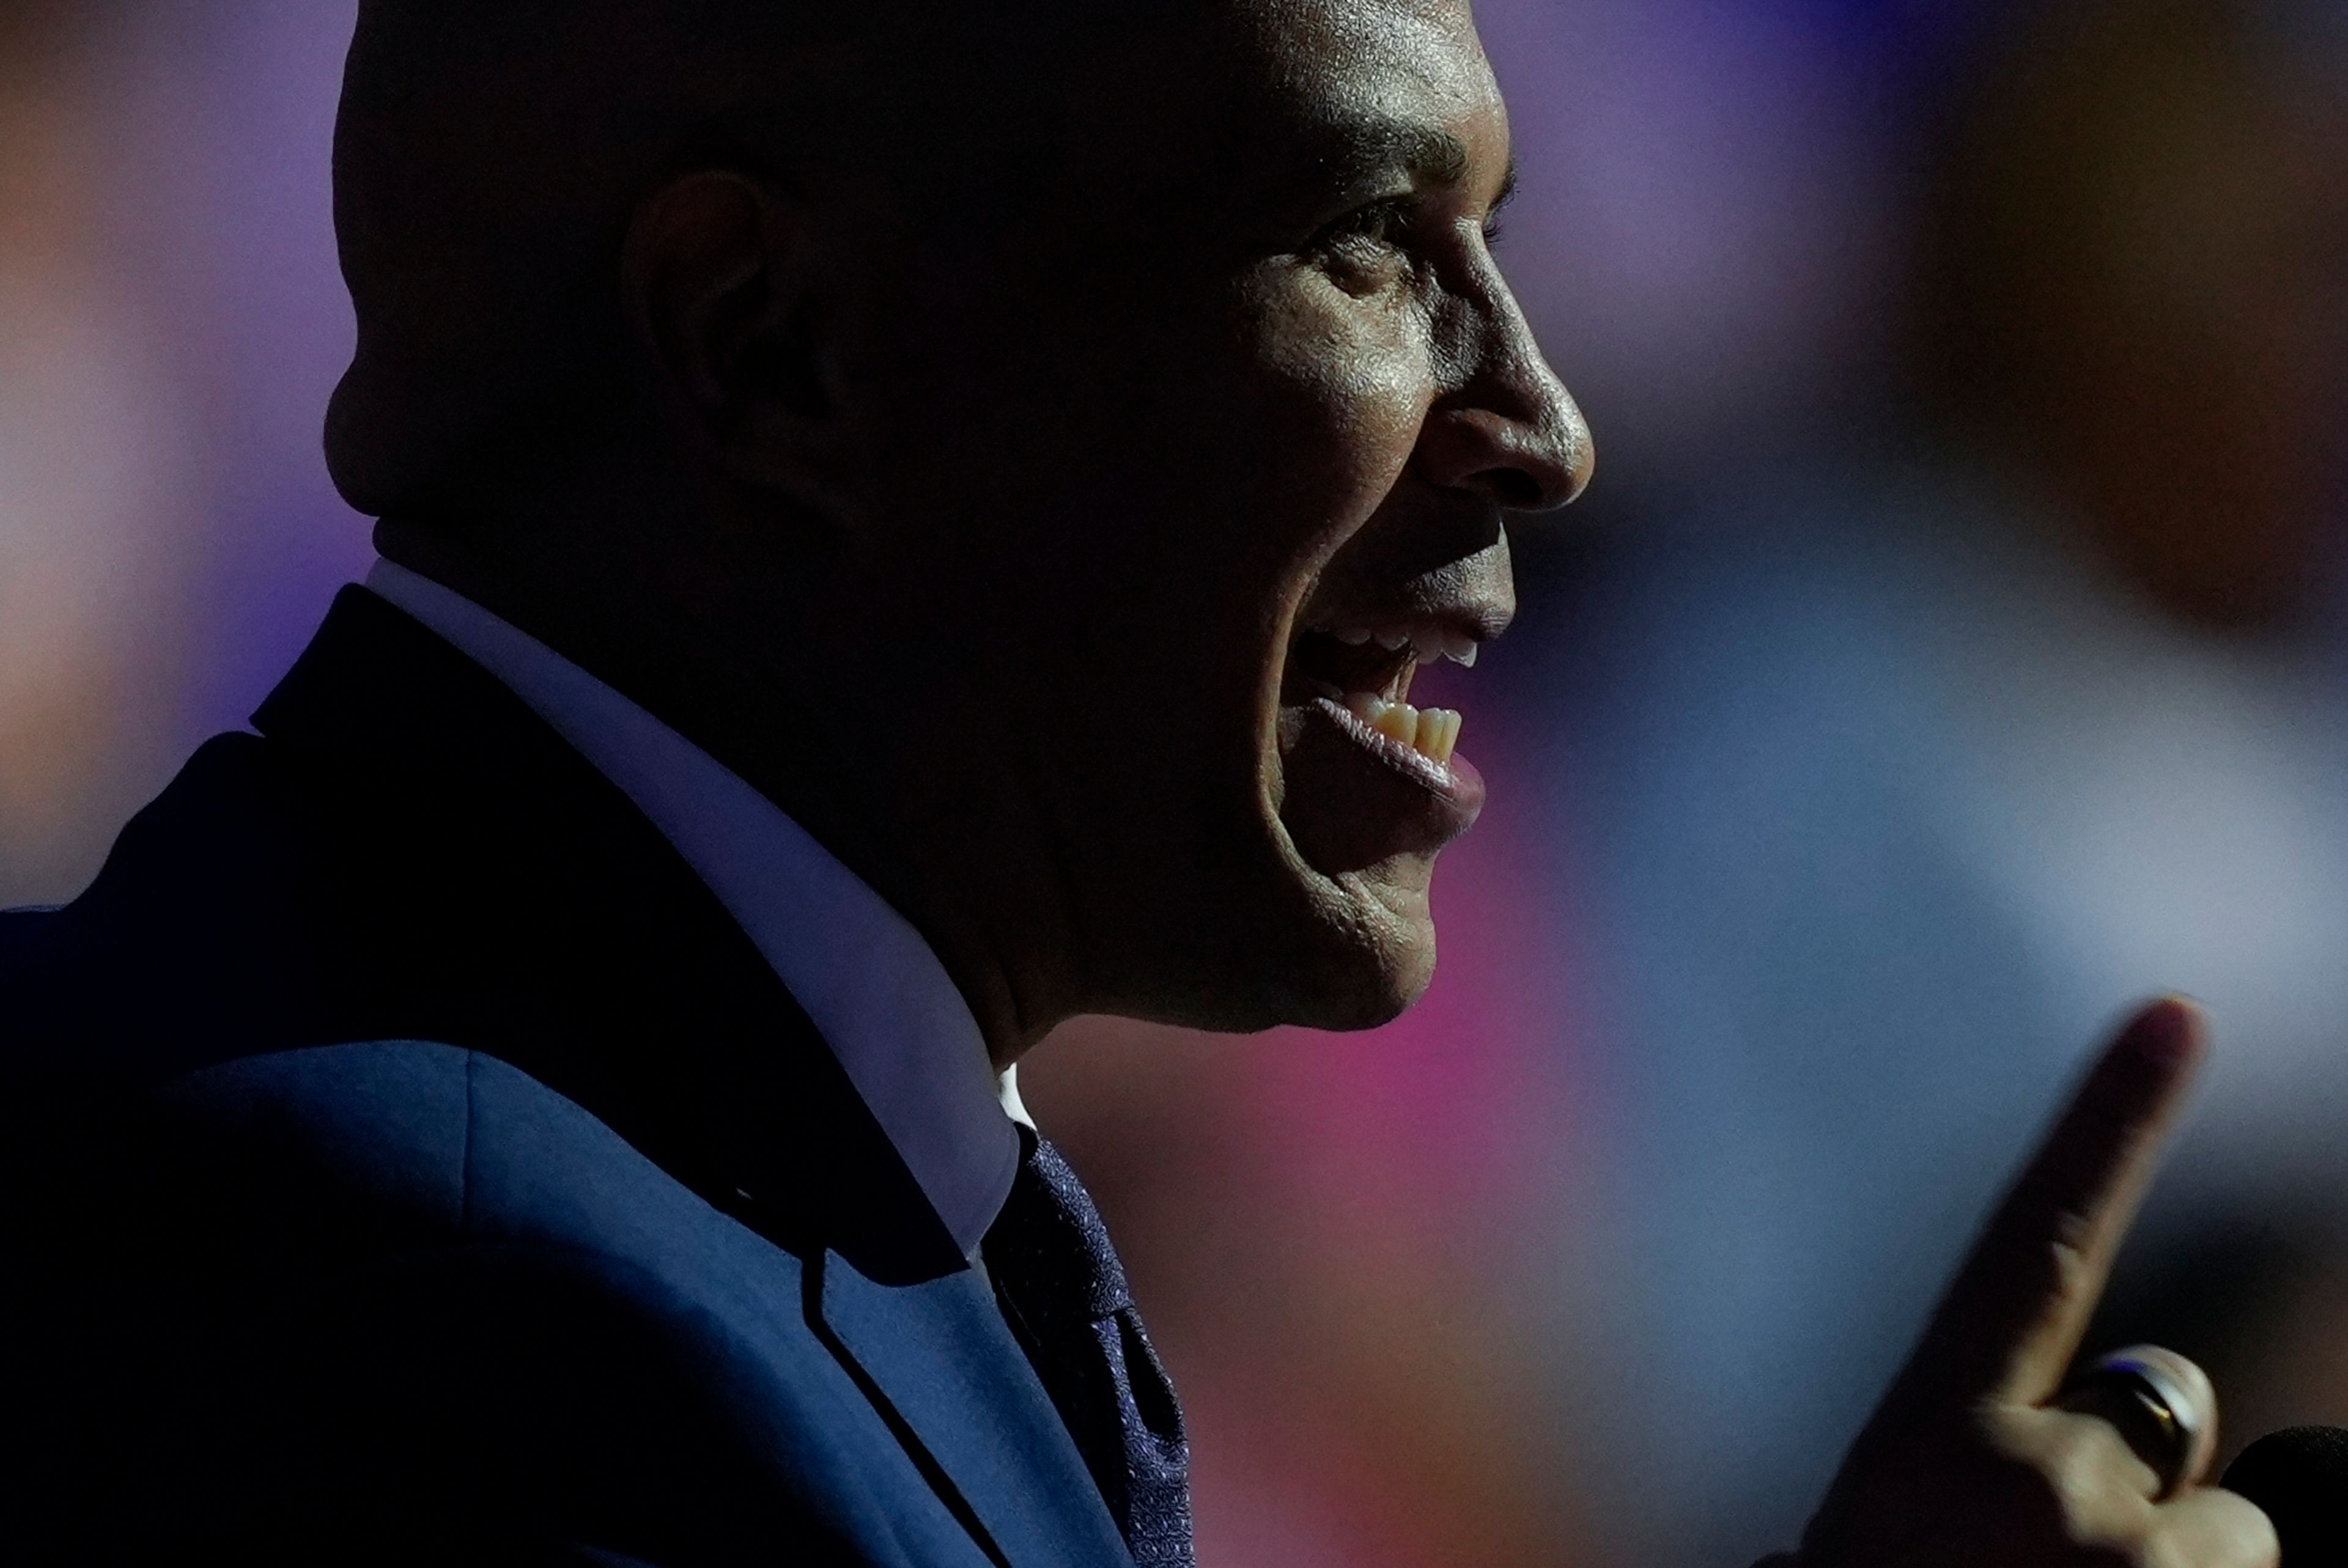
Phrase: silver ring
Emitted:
{"points": [[2136, 1391]]}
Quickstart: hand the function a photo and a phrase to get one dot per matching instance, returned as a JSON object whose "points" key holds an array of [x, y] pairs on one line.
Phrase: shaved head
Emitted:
{"points": [[489, 152], [1028, 440]]}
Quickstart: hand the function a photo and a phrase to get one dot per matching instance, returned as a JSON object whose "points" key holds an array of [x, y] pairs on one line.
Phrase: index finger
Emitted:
{"points": [[2012, 1319]]}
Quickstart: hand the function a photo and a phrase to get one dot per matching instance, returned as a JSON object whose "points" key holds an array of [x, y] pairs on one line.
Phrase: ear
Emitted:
{"points": [[726, 284]]}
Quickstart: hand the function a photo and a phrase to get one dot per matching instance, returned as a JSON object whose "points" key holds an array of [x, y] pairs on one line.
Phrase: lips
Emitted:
{"points": [[1369, 776]]}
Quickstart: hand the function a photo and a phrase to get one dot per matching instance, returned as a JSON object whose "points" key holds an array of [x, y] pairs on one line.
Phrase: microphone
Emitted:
{"points": [[2299, 1476]]}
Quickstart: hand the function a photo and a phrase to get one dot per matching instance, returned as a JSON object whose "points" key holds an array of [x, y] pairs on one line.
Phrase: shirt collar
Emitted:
{"points": [[871, 984]]}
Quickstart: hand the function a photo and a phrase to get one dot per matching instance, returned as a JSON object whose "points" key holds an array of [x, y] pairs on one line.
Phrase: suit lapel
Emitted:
{"points": [[939, 1363], [505, 897], [502, 894]]}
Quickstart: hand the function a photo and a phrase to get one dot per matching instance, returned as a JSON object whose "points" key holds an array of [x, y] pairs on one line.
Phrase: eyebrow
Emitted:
{"points": [[1360, 147], [1424, 150]]}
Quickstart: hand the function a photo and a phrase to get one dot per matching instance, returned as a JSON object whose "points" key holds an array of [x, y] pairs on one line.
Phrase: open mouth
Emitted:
{"points": [[1366, 672], [1367, 776]]}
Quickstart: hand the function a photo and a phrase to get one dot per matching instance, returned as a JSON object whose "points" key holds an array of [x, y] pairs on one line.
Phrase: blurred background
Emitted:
{"points": [[1954, 649]]}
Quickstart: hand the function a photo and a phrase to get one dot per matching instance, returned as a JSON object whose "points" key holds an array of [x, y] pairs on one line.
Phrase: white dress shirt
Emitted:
{"points": [[876, 992]]}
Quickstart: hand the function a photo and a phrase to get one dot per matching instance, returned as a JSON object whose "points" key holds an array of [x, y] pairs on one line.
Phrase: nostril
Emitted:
{"points": [[1515, 488]]}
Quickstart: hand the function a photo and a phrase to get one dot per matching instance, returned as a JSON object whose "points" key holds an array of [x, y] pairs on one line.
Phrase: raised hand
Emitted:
{"points": [[1971, 1462]]}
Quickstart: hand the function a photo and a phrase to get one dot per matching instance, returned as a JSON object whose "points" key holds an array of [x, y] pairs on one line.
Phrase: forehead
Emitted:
{"points": [[1399, 62], [1246, 116], [1420, 45], [1319, 101]]}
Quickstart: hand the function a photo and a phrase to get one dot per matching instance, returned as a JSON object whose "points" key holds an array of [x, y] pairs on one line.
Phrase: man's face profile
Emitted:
{"points": [[1367, 403], [1087, 484]]}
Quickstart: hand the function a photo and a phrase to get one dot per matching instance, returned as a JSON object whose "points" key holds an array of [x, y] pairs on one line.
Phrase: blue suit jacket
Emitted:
{"points": [[404, 1159]]}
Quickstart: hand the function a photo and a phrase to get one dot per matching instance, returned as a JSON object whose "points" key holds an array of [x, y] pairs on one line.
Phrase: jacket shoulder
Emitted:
{"points": [[337, 1155], [201, 914], [399, 1286]]}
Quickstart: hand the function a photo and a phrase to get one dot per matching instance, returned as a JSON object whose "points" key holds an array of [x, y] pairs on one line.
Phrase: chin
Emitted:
{"points": [[1373, 962], [1375, 994], [1337, 955], [1360, 953]]}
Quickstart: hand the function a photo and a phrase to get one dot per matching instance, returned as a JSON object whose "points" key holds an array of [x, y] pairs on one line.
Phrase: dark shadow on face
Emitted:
{"points": [[1169, 412], [1253, 389]]}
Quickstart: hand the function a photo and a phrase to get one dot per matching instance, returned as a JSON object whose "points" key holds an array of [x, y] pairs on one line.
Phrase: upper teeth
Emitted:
{"points": [[1427, 643]]}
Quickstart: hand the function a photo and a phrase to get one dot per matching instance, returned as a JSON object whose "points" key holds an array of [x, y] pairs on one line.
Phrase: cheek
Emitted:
{"points": [[1344, 385]]}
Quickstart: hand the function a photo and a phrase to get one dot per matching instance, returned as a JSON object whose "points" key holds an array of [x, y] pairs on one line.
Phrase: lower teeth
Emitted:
{"points": [[1433, 733]]}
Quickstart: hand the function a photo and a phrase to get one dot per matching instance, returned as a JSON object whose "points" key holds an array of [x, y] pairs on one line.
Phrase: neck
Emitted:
{"points": [[736, 709]]}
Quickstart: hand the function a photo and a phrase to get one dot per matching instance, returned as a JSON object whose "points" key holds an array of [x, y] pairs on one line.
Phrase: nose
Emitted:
{"points": [[1511, 432]]}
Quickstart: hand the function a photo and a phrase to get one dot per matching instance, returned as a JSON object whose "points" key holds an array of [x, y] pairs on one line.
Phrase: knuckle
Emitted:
{"points": [[2048, 1249], [2066, 1480], [2081, 1464], [2218, 1529], [2070, 1235]]}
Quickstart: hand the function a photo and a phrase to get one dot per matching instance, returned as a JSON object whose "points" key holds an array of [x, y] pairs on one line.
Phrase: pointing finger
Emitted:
{"points": [[2011, 1320]]}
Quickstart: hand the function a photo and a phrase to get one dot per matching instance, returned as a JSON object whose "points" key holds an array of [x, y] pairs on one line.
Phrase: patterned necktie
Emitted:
{"points": [[1065, 1294]]}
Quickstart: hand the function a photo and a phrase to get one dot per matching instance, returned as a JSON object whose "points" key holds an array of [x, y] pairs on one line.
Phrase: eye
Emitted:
{"points": [[1377, 222], [1365, 249]]}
